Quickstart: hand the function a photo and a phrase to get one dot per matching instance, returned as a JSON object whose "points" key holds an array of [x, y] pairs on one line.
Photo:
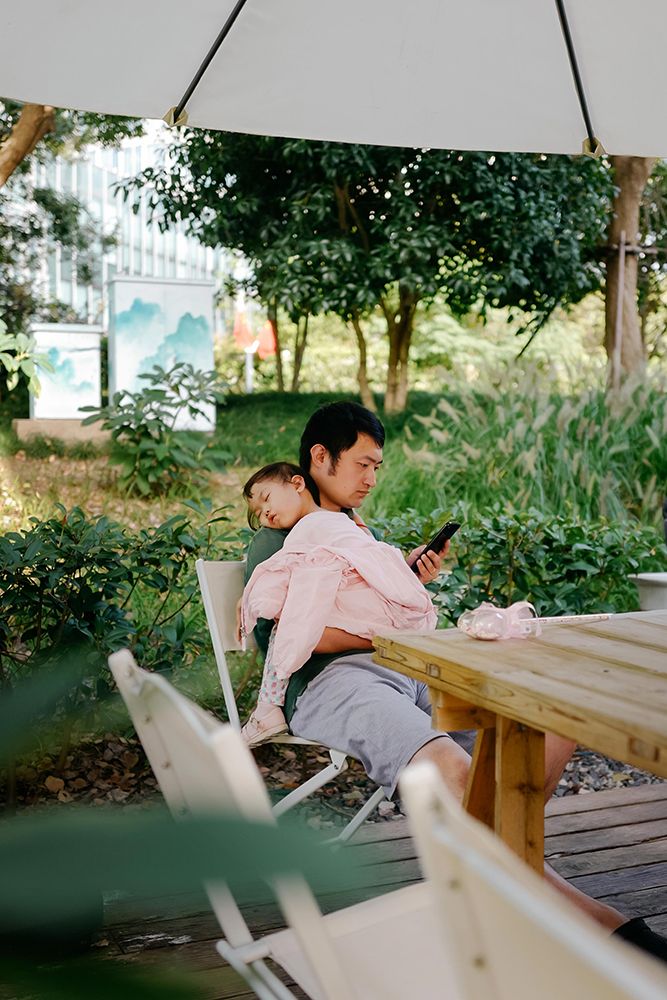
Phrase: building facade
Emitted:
{"points": [[139, 248]]}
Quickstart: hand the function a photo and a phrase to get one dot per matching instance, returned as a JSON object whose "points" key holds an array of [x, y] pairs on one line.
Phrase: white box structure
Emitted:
{"points": [[158, 321], [74, 351]]}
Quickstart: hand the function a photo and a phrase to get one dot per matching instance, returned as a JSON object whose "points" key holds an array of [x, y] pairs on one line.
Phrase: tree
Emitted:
{"points": [[623, 329], [37, 128], [651, 263], [34, 219], [348, 229]]}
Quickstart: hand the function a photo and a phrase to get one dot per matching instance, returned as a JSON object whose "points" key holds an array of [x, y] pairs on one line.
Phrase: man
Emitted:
{"points": [[342, 699]]}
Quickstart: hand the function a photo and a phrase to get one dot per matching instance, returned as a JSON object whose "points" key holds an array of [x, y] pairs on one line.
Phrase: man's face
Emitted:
{"points": [[349, 482]]}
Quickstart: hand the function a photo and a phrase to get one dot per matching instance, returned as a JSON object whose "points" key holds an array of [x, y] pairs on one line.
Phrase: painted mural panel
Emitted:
{"points": [[153, 321], [74, 352]]}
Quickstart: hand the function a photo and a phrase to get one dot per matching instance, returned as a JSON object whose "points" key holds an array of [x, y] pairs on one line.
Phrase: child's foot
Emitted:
{"points": [[263, 724]]}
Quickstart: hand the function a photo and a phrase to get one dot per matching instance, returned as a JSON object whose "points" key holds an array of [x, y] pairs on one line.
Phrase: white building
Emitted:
{"points": [[141, 249]]}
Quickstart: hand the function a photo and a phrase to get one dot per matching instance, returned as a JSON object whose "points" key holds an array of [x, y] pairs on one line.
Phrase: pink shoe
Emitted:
{"points": [[258, 731]]}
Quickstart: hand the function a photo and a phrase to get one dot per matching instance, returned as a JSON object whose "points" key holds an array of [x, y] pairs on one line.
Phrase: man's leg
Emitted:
{"points": [[454, 764], [451, 760], [557, 752], [371, 713], [374, 714]]}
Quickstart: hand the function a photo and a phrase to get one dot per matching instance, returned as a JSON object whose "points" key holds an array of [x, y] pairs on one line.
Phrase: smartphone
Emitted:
{"points": [[437, 543]]}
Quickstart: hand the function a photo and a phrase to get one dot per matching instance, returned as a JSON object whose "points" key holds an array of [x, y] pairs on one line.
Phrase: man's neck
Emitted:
{"points": [[327, 504]]}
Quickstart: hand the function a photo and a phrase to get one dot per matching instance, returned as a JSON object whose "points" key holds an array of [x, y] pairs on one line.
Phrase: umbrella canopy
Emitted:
{"points": [[453, 74]]}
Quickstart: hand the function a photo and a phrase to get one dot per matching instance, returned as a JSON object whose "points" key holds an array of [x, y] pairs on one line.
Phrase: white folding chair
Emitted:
{"points": [[387, 948], [508, 934], [221, 585]]}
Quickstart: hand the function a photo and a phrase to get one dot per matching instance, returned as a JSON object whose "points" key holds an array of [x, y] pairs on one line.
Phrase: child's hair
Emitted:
{"points": [[281, 472]]}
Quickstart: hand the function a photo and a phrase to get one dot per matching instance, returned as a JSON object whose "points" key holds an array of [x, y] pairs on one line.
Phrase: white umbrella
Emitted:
{"points": [[454, 74]]}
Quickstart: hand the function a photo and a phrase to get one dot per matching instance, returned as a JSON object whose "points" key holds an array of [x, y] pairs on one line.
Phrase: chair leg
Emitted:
{"points": [[363, 814], [261, 980], [337, 766], [308, 787]]}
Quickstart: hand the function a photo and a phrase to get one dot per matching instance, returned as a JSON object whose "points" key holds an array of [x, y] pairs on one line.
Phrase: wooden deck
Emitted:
{"points": [[611, 844]]}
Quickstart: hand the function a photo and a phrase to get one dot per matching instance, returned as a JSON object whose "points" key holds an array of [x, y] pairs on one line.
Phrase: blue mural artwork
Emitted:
{"points": [[159, 322], [191, 342], [74, 352]]}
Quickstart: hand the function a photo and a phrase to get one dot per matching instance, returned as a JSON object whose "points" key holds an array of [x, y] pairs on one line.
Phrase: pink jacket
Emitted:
{"points": [[330, 572]]}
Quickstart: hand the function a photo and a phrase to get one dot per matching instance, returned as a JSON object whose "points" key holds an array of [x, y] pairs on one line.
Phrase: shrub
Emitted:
{"points": [[155, 456], [75, 582], [18, 357], [561, 565]]}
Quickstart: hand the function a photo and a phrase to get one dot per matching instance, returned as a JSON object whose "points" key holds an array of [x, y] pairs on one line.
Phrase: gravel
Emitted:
{"points": [[591, 772], [585, 772]]}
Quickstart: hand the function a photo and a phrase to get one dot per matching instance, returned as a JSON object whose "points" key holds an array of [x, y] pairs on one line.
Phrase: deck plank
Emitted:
{"points": [[611, 844]]}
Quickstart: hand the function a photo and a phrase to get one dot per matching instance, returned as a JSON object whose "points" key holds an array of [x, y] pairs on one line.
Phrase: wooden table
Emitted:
{"points": [[602, 684]]}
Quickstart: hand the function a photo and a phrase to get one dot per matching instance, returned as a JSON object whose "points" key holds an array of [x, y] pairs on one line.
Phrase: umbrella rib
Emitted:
{"points": [[226, 28], [574, 66]]}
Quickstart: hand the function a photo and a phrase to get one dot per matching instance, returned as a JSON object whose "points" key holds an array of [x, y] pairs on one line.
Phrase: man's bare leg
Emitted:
{"points": [[453, 764], [557, 752]]}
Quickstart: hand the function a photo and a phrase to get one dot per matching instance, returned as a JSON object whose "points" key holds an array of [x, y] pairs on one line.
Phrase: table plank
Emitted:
{"points": [[622, 651], [529, 657], [620, 713], [601, 683]]}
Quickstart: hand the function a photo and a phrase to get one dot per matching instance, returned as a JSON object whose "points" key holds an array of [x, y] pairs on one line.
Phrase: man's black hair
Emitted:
{"points": [[337, 426]]}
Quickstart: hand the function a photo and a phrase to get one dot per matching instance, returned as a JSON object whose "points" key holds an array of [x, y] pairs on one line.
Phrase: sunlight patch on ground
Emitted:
{"points": [[12, 502]]}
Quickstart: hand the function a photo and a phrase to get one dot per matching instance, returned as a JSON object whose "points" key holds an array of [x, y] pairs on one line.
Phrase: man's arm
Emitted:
{"points": [[335, 640]]}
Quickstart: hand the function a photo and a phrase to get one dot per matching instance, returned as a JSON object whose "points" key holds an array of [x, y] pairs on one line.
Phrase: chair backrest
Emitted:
{"points": [[221, 585], [203, 765], [509, 935]]}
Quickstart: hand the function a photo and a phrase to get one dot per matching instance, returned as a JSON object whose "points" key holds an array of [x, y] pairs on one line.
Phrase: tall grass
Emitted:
{"points": [[524, 443]]}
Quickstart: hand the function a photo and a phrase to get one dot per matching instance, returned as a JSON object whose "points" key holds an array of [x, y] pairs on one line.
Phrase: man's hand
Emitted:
{"points": [[335, 640], [429, 564]]}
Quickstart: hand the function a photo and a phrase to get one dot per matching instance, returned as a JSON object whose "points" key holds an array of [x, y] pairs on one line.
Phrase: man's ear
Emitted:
{"points": [[319, 455], [299, 483]]}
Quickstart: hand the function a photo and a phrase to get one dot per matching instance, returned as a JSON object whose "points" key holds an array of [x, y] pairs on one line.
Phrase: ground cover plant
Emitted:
{"points": [[156, 455], [76, 588]]}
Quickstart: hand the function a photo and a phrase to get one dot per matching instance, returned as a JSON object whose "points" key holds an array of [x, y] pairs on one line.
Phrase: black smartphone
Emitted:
{"points": [[437, 543]]}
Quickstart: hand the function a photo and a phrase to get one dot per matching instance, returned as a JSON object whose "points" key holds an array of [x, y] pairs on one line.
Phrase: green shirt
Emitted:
{"points": [[265, 543]]}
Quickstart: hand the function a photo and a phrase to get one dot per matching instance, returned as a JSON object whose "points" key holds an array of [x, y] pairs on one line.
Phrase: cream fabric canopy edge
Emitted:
{"points": [[452, 74]]}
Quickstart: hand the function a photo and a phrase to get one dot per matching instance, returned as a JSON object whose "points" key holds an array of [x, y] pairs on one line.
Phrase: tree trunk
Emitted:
{"points": [[299, 348], [624, 346], [362, 372], [34, 122], [399, 326], [272, 313]]}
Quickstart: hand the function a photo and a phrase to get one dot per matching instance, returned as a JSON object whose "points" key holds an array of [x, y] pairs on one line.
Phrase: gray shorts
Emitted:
{"points": [[371, 713]]}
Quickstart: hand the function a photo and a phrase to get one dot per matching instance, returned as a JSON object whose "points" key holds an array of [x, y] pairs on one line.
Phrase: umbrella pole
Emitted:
{"points": [[178, 115]]}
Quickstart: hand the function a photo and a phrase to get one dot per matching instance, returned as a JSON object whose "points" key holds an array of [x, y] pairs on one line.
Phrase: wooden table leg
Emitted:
{"points": [[479, 799], [519, 807]]}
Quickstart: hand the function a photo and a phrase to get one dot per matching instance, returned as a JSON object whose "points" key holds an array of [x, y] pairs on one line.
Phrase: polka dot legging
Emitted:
{"points": [[273, 688]]}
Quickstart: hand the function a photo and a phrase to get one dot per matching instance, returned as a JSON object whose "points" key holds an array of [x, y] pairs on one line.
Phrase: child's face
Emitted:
{"points": [[277, 504]]}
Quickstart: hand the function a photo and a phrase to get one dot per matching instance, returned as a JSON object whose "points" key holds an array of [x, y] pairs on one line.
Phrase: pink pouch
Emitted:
{"points": [[489, 622]]}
